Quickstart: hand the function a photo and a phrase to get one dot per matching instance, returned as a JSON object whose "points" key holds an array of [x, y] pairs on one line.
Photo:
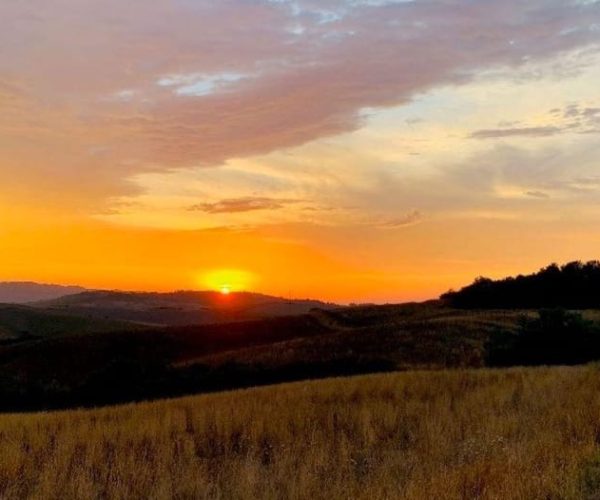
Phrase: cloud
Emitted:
{"points": [[314, 67], [499, 177], [514, 132], [573, 118], [591, 112], [348, 68], [590, 181], [247, 204], [537, 194], [408, 219], [9, 90]]}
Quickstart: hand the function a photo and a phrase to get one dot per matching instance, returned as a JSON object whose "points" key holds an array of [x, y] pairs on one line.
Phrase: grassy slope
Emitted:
{"points": [[66, 371], [406, 336], [402, 336], [118, 367], [516, 433]]}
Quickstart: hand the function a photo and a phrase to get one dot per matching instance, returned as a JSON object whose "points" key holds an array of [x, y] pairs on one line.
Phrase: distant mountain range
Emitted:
{"points": [[152, 308], [23, 292]]}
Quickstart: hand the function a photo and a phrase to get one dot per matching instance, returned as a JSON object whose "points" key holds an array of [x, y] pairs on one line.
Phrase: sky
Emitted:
{"points": [[352, 151]]}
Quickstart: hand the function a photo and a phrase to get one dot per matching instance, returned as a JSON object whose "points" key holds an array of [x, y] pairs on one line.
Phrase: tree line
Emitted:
{"points": [[575, 285]]}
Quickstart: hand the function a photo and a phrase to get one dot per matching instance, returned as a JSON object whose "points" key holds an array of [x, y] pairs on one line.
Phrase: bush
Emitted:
{"points": [[556, 336]]}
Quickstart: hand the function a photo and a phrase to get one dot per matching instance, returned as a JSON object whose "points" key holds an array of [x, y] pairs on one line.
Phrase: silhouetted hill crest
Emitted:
{"points": [[23, 292], [180, 307]]}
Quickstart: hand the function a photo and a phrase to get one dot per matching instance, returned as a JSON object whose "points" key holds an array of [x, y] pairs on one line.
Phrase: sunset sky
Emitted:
{"points": [[358, 150]]}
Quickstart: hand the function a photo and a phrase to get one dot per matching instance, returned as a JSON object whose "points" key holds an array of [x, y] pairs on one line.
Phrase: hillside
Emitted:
{"points": [[179, 308], [23, 292], [19, 323], [510, 434], [373, 338], [128, 364], [79, 369]]}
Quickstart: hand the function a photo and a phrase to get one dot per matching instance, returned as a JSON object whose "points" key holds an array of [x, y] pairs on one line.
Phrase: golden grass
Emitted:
{"points": [[517, 433]]}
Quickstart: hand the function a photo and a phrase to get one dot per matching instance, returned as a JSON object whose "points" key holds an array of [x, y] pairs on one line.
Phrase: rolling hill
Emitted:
{"points": [[102, 347], [178, 308], [20, 323], [121, 366]]}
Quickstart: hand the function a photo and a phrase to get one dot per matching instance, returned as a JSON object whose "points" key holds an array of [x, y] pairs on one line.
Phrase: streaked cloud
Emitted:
{"points": [[573, 118], [248, 204], [537, 194], [517, 131], [408, 219]]}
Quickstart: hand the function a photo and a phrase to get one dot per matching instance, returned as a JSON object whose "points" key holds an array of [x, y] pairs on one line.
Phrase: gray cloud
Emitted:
{"points": [[572, 118], [246, 204], [591, 181], [537, 194], [408, 219], [514, 132]]}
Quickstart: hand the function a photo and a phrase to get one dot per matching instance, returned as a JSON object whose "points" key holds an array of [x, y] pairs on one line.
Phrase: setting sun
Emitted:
{"points": [[228, 280]]}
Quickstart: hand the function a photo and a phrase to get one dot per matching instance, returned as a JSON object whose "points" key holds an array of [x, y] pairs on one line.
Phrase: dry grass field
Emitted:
{"points": [[514, 433]]}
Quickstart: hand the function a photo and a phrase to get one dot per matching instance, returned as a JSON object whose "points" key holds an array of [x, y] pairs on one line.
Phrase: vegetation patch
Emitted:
{"points": [[575, 285], [488, 434]]}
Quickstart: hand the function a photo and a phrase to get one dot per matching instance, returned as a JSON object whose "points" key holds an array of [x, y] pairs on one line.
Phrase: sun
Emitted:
{"points": [[228, 280]]}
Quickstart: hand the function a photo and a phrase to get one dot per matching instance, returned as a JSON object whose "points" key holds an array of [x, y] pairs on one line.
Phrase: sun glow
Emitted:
{"points": [[228, 280]]}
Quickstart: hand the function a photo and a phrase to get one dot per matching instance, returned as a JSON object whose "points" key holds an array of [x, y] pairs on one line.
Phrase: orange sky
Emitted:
{"points": [[292, 148]]}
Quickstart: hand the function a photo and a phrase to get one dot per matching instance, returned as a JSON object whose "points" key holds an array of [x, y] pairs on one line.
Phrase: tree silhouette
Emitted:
{"points": [[575, 285]]}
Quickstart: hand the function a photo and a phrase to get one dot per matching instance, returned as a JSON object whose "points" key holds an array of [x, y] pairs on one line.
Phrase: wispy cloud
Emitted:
{"points": [[408, 219], [247, 204], [573, 118], [537, 194], [515, 132]]}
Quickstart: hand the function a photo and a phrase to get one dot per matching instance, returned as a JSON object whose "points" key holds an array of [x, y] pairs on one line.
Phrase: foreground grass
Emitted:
{"points": [[517, 433]]}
